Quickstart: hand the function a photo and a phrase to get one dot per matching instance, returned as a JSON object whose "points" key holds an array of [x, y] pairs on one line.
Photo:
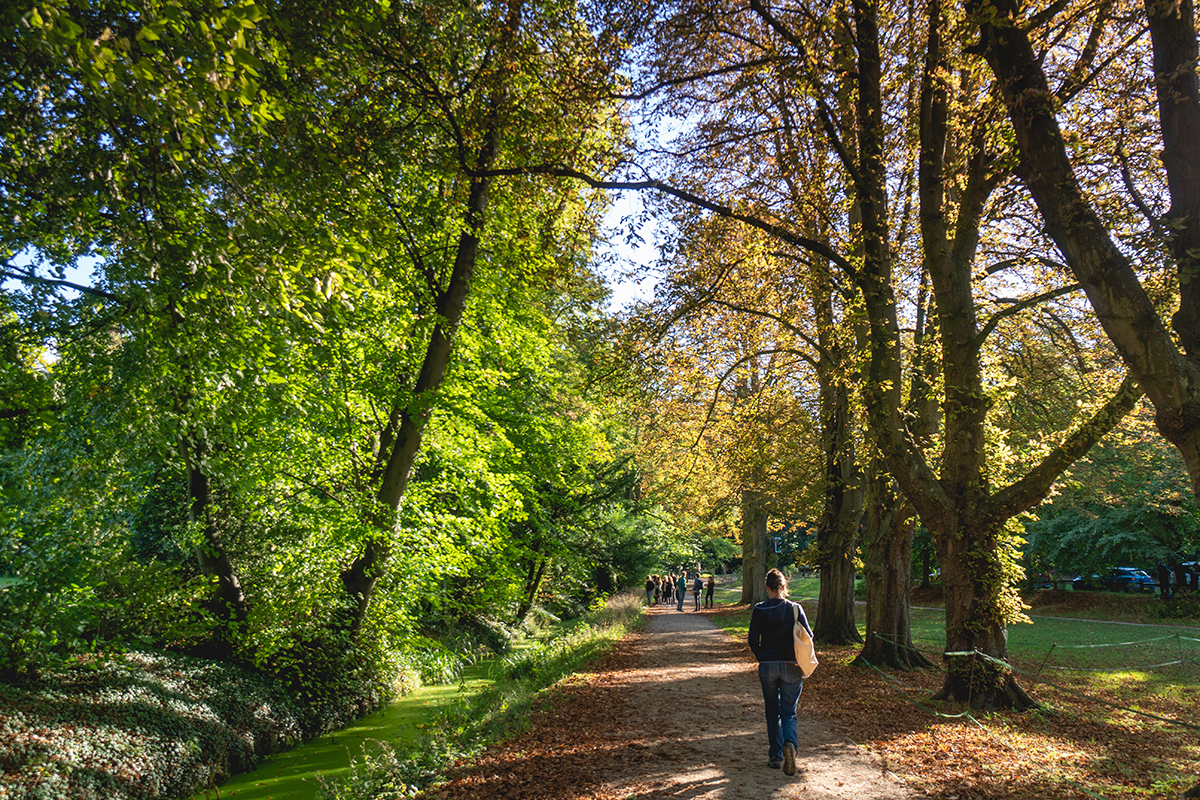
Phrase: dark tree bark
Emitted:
{"points": [[841, 515], [958, 505], [754, 547], [887, 564], [533, 581]]}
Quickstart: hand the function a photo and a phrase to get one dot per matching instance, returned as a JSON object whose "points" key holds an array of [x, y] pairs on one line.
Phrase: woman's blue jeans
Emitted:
{"points": [[782, 682]]}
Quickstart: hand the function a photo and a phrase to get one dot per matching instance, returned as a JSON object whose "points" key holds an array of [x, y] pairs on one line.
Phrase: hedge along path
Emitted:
{"points": [[674, 711]]}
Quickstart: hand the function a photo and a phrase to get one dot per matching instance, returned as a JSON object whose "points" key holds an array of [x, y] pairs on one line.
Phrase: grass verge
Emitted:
{"points": [[502, 710]]}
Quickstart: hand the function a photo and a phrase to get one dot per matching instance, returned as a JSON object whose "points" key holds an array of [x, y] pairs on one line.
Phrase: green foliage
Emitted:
{"points": [[432, 661], [267, 201], [383, 774], [1127, 502], [1181, 606], [139, 725]]}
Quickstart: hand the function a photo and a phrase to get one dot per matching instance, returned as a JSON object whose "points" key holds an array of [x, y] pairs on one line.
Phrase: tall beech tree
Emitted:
{"points": [[957, 503], [245, 197], [480, 89]]}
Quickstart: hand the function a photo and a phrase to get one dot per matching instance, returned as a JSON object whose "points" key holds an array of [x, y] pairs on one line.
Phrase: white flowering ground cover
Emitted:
{"points": [[137, 725]]}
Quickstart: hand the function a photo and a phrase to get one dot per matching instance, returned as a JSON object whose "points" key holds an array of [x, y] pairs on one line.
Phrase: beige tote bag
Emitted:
{"points": [[802, 643]]}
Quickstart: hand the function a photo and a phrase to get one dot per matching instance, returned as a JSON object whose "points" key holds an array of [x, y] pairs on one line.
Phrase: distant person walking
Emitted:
{"points": [[681, 591], [708, 592], [697, 588], [649, 590], [1164, 580], [781, 678]]}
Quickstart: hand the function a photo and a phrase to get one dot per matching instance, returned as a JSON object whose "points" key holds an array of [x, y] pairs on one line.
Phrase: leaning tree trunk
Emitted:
{"points": [[754, 547], [888, 533], [1166, 363], [362, 575], [535, 571]]}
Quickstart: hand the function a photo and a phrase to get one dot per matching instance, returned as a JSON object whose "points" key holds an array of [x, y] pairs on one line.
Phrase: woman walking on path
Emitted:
{"points": [[782, 680], [681, 590], [708, 592]]}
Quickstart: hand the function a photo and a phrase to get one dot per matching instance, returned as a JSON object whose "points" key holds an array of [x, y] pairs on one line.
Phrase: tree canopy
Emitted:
{"points": [[307, 353]]}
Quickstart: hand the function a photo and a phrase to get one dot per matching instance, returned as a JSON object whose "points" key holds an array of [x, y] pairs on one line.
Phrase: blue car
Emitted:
{"points": [[1118, 579]]}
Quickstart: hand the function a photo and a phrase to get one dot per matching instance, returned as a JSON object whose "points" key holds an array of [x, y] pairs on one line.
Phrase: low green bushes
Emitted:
{"points": [[1181, 606], [138, 726]]}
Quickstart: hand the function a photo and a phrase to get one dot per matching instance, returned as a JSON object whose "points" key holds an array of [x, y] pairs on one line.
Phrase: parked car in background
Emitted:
{"points": [[1118, 579]]}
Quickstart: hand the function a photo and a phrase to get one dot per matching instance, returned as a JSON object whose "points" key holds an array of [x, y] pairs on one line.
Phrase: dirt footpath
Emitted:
{"points": [[675, 711]]}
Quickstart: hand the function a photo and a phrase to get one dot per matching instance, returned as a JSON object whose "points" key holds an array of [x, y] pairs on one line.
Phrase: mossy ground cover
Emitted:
{"points": [[296, 774]]}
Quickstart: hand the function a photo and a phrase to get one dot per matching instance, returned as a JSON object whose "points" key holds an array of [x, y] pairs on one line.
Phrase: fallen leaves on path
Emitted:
{"points": [[571, 748]]}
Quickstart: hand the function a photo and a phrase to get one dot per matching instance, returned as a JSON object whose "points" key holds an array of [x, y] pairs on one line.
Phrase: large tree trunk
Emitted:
{"points": [[398, 453], [754, 547], [535, 571], [841, 517], [888, 533], [841, 512], [360, 578], [976, 620]]}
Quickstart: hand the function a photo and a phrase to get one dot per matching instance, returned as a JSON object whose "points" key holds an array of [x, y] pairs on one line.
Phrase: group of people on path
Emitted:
{"points": [[671, 588]]}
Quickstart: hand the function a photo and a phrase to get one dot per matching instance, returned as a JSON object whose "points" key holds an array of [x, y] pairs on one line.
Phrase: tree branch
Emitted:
{"points": [[770, 228], [30, 277], [699, 76], [1017, 307], [835, 141], [1032, 488]]}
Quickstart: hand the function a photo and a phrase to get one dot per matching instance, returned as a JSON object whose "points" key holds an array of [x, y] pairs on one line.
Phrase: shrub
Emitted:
{"points": [[383, 774], [138, 725], [1181, 606], [334, 679]]}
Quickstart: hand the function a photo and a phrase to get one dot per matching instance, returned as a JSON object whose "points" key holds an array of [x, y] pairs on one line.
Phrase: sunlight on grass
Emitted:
{"points": [[292, 775]]}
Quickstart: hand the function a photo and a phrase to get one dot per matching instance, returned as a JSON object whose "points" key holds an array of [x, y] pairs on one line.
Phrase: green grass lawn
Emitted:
{"points": [[293, 775], [1124, 662]]}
